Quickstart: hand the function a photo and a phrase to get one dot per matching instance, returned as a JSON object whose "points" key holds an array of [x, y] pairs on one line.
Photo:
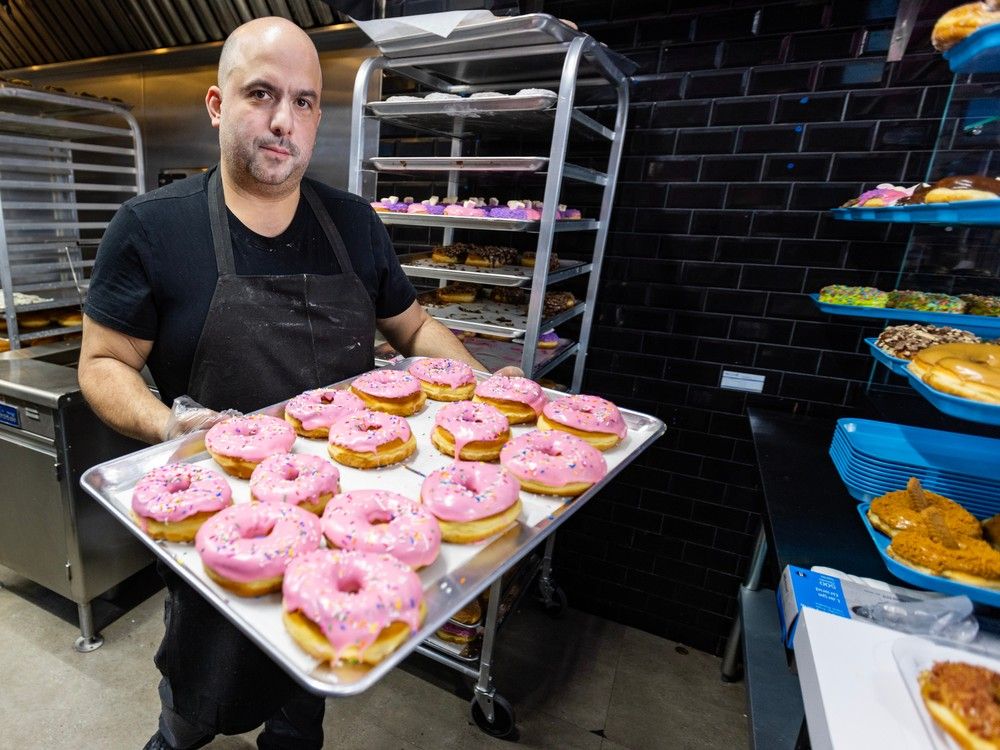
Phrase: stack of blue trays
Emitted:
{"points": [[874, 458]]}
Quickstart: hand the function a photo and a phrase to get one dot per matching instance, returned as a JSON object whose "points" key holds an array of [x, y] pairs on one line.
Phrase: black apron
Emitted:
{"points": [[266, 338]]}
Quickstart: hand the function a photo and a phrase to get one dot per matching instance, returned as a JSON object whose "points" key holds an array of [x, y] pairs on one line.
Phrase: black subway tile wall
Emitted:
{"points": [[748, 120]]}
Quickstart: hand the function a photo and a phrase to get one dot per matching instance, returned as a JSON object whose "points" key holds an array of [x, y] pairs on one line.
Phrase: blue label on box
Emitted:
{"points": [[805, 588], [9, 415]]}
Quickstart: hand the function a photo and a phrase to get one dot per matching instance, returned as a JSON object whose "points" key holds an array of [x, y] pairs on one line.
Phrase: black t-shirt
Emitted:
{"points": [[156, 271]]}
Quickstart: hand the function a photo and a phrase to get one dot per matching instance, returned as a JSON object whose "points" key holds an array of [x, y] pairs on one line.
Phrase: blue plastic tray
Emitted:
{"points": [[896, 480], [981, 325], [921, 447], [981, 213], [858, 459], [895, 364], [956, 406], [923, 580], [977, 53]]}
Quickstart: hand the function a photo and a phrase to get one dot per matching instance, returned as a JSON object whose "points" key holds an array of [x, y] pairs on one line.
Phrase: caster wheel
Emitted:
{"points": [[86, 645], [556, 607], [503, 726]]}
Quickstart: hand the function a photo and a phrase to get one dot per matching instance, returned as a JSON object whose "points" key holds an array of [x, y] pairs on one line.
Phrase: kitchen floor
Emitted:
{"points": [[576, 682]]}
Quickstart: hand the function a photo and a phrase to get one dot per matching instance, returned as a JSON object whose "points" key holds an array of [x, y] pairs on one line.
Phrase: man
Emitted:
{"points": [[240, 288]]}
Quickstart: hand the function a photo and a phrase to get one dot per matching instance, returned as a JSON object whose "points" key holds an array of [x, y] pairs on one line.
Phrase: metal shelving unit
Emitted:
{"points": [[510, 54], [66, 165]]}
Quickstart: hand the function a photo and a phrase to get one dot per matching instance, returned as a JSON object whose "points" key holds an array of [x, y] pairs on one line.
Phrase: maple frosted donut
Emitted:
{"points": [[553, 462], [238, 444], [171, 502], [520, 399], [470, 431], [392, 391], [342, 605], [384, 522], [444, 379], [592, 418], [247, 547], [367, 439], [300, 479], [471, 500], [311, 413]]}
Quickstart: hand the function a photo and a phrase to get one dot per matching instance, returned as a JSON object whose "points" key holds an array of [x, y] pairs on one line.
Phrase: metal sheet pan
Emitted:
{"points": [[483, 106], [461, 164], [473, 222], [492, 318], [451, 582], [420, 265]]}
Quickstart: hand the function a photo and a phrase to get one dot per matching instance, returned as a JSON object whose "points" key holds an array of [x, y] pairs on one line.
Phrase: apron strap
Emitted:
{"points": [[329, 228], [222, 240]]}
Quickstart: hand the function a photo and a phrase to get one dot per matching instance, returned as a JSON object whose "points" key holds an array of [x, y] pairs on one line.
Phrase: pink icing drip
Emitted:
{"points": [[387, 384], [352, 596], [409, 532], [293, 478], [521, 390], [467, 491], [553, 458], [250, 438], [322, 407], [253, 541], [471, 421], [449, 372], [176, 491], [364, 431], [587, 413]]}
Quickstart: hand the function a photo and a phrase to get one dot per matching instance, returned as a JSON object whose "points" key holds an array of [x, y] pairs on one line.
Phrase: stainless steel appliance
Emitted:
{"points": [[50, 530]]}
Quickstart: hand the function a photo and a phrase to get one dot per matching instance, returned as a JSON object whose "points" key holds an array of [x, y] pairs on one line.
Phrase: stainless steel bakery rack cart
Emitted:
{"points": [[534, 51], [66, 164]]}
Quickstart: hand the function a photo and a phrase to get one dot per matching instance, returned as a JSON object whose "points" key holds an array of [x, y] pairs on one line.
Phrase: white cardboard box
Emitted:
{"points": [[852, 689]]}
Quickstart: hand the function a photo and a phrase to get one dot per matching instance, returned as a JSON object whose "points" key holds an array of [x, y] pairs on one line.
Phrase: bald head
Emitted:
{"points": [[260, 34]]}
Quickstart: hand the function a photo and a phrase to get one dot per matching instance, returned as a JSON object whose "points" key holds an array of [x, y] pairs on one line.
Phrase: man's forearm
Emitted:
{"points": [[120, 397]]}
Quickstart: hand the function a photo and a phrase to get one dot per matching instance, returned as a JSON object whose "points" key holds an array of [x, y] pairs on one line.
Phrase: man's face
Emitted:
{"points": [[269, 113]]}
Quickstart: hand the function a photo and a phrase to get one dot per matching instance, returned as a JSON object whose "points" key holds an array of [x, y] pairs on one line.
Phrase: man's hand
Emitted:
{"points": [[511, 371], [187, 415]]}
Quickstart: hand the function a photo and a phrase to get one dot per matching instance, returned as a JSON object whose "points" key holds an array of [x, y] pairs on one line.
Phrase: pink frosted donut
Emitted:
{"points": [[444, 379], [366, 439], [392, 391], [353, 598], [468, 491], [311, 413], [470, 430], [553, 462], [520, 399], [592, 418], [238, 444], [384, 522], [174, 494], [297, 479], [247, 547]]}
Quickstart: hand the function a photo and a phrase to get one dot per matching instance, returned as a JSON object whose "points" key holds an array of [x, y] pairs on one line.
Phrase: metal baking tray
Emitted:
{"points": [[420, 265], [483, 106], [461, 164], [513, 31], [493, 318], [472, 222], [451, 582]]}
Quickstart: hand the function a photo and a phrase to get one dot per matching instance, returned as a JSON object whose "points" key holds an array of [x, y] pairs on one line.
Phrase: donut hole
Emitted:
{"points": [[349, 584], [261, 530], [289, 473], [249, 429], [179, 484], [328, 397], [380, 517]]}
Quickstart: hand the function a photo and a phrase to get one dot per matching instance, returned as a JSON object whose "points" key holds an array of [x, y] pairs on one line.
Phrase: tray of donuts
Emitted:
{"points": [[961, 380], [343, 527]]}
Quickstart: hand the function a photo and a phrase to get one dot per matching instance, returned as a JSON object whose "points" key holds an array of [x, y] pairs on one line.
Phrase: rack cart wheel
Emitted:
{"points": [[503, 726], [555, 602]]}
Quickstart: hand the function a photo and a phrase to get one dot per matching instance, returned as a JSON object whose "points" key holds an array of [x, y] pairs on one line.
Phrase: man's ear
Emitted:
{"points": [[213, 103]]}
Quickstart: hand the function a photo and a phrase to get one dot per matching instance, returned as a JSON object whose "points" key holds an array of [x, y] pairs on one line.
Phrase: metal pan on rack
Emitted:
{"points": [[475, 222], [460, 164], [493, 318], [451, 582], [420, 265], [482, 106]]}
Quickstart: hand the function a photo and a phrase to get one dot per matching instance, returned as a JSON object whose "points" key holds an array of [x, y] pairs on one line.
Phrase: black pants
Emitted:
{"points": [[216, 681]]}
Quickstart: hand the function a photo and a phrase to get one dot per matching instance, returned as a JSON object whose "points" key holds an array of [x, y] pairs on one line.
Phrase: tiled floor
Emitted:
{"points": [[579, 682]]}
